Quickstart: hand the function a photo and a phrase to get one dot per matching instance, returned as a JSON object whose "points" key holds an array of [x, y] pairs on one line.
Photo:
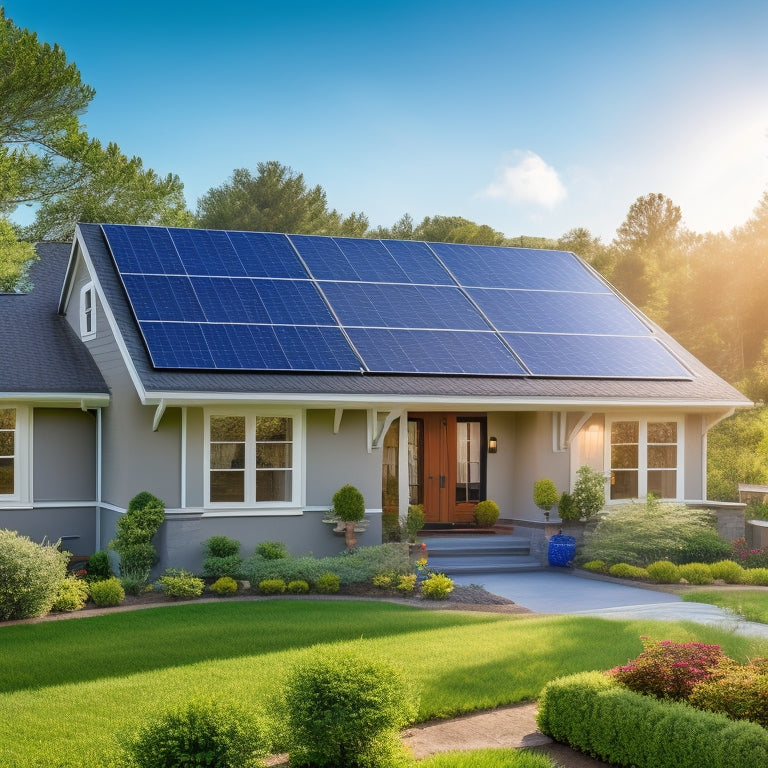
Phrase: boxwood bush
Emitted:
{"points": [[30, 576], [73, 594], [593, 713], [107, 592]]}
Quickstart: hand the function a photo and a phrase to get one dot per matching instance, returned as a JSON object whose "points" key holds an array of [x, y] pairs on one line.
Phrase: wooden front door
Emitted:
{"points": [[446, 464]]}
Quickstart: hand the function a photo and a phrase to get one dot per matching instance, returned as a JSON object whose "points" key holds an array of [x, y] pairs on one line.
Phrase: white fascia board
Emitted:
{"points": [[433, 402], [107, 311], [58, 399]]}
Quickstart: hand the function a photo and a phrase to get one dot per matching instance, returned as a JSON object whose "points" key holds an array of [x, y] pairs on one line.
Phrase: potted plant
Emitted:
{"points": [[348, 512], [486, 513], [545, 495]]}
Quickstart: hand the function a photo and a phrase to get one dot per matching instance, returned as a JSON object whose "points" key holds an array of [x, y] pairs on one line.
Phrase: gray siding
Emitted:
{"points": [[51, 524]]}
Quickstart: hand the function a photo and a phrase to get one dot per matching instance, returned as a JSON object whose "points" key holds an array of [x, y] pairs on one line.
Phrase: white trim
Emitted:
{"points": [[22, 458], [298, 473], [88, 311], [254, 512], [183, 490], [55, 399]]}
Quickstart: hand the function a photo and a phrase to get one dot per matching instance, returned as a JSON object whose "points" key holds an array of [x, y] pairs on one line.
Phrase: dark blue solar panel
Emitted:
{"points": [[143, 250], [447, 352], [558, 312], [595, 356], [402, 306], [207, 252], [487, 266], [177, 345], [267, 254], [418, 262], [156, 297], [323, 257]]}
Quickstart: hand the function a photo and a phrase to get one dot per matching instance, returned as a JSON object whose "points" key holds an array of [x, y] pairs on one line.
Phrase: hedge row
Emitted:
{"points": [[594, 714]]}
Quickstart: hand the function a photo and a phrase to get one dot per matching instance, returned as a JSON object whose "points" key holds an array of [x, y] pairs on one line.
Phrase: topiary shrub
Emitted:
{"points": [[108, 592], [437, 586], [566, 507], [178, 583], [327, 584], [345, 710], [226, 585], [545, 494], [30, 576], [133, 539], [486, 513], [222, 558], [626, 571], [99, 565], [201, 733], [297, 587], [272, 587], [727, 571], [695, 573], [669, 670], [221, 546], [272, 550], [664, 572], [348, 504], [73, 595]]}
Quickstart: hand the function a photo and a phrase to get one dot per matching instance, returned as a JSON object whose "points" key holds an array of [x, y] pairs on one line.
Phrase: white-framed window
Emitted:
{"points": [[87, 312], [253, 459], [644, 456], [15, 455]]}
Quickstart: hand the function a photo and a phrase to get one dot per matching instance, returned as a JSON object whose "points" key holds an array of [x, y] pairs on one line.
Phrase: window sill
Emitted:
{"points": [[253, 512]]}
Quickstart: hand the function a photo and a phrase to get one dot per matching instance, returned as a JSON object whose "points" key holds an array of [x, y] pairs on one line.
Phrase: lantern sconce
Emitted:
{"points": [[493, 445]]}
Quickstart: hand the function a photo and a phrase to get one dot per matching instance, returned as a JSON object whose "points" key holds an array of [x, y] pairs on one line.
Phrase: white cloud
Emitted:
{"points": [[527, 180]]}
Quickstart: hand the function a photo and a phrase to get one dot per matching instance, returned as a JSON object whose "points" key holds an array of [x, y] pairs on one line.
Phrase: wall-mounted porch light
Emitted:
{"points": [[493, 445]]}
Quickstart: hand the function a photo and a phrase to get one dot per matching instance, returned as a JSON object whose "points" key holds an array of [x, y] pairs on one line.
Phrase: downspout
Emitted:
{"points": [[183, 494], [98, 478]]}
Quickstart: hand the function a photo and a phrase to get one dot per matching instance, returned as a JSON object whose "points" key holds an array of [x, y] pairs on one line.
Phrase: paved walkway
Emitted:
{"points": [[570, 592]]}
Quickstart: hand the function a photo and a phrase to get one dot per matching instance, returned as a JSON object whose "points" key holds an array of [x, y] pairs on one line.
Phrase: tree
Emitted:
{"points": [[277, 199], [15, 259], [581, 242], [42, 96], [455, 229], [113, 188]]}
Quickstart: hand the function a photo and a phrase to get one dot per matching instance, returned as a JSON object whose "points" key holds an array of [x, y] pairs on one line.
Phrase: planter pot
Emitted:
{"points": [[562, 550]]}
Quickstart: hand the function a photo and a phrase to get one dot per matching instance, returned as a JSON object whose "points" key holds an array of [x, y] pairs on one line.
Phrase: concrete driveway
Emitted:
{"points": [[567, 591]]}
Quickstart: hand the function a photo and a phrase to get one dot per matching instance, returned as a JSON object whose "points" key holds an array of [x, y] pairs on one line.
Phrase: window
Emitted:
{"points": [[14, 455], [470, 457], [87, 311], [252, 459], [644, 457]]}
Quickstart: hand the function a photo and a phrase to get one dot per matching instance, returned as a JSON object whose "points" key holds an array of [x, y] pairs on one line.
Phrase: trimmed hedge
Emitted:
{"points": [[594, 714]]}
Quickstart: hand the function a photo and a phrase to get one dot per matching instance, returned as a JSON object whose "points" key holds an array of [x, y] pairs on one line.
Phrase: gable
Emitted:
{"points": [[248, 301]]}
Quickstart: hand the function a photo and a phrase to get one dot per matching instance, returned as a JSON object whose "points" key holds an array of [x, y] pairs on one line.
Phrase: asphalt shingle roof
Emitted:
{"points": [[39, 351]]}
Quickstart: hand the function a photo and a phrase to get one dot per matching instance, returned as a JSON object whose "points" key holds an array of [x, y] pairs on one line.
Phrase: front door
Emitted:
{"points": [[446, 464]]}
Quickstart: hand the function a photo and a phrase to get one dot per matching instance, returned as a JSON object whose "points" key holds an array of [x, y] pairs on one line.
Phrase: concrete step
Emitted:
{"points": [[455, 566], [475, 554], [476, 546]]}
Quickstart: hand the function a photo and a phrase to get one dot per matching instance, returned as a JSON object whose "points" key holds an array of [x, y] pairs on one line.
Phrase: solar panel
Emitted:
{"points": [[251, 301]]}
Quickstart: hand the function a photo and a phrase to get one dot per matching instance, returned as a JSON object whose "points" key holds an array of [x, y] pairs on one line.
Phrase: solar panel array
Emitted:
{"points": [[253, 301]]}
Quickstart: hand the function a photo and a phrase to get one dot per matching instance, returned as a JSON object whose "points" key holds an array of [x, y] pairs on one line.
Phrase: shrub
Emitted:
{"points": [[297, 587], [382, 580], [566, 507], [640, 534], [739, 691], [407, 583], [272, 550], [73, 594], [272, 587], [486, 513], [179, 583], [216, 567], [414, 521], [757, 577], [545, 494], [664, 572], [202, 732], [589, 492], [728, 571], [346, 710], [437, 586], [134, 532], [30, 576], [669, 670], [107, 592], [626, 571], [747, 557], [137, 559], [226, 585], [327, 584], [348, 504], [597, 566], [704, 546], [99, 565], [695, 573], [390, 527], [135, 584], [622, 727], [221, 546]]}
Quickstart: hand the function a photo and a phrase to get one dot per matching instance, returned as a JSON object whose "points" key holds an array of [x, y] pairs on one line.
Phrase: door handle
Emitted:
{"points": [[442, 481]]}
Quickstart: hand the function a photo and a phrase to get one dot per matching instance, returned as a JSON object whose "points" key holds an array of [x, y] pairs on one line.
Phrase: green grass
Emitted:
{"points": [[70, 686], [750, 604], [487, 758]]}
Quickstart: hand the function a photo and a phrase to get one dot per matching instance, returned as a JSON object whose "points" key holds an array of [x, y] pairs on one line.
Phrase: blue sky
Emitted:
{"points": [[533, 117]]}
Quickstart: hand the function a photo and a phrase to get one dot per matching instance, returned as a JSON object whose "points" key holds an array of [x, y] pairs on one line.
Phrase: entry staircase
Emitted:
{"points": [[465, 554]]}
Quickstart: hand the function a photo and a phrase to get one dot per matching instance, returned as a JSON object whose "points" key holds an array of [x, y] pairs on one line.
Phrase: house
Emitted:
{"points": [[244, 377]]}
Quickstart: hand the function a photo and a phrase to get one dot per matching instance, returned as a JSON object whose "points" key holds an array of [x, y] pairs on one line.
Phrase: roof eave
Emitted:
{"points": [[83, 400]]}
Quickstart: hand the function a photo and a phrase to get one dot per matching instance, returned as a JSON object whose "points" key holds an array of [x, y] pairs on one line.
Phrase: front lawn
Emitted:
{"points": [[69, 687], [750, 604]]}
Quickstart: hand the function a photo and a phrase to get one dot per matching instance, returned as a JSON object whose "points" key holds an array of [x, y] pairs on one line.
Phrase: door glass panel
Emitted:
{"points": [[390, 456], [415, 461], [468, 461]]}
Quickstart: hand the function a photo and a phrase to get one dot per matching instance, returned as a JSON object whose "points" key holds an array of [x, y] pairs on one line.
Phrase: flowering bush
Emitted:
{"points": [[748, 557], [669, 670]]}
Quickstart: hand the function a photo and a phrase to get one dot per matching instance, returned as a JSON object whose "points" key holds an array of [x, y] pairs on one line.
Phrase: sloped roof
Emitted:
{"points": [[703, 388], [39, 351]]}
